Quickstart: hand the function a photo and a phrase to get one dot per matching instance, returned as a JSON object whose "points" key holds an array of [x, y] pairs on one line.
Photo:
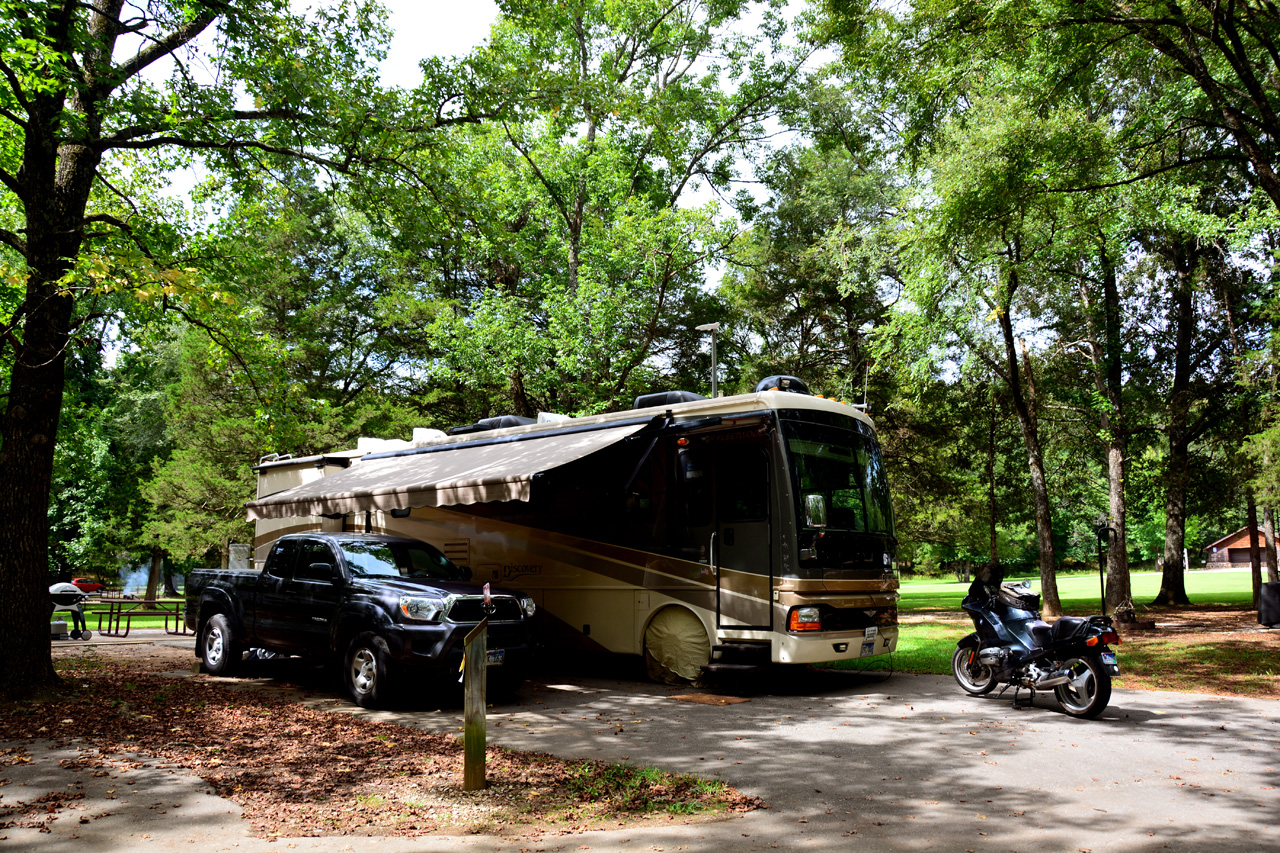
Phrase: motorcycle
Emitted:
{"points": [[1012, 645]]}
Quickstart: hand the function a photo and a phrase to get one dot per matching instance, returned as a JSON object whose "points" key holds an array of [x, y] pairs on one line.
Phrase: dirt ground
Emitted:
{"points": [[298, 770]]}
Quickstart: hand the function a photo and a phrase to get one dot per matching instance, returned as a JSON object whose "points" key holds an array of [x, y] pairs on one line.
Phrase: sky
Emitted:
{"points": [[432, 28]]}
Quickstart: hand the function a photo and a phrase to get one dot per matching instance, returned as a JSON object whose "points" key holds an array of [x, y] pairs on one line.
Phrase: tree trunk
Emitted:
{"points": [[1255, 553], [153, 577], [26, 474], [994, 557], [1269, 530], [1107, 355], [1051, 604], [1173, 588], [54, 185]]}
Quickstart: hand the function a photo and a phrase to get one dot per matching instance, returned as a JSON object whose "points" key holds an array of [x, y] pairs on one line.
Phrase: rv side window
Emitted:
{"points": [[280, 560], [695, 487], [742, 484]]}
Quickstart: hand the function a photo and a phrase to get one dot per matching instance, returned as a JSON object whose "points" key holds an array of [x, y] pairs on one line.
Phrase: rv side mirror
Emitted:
{"points": [[815, 511]]}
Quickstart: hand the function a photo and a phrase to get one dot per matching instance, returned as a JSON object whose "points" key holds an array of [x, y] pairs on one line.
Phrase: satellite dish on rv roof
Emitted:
{"points": [[783, 383]]}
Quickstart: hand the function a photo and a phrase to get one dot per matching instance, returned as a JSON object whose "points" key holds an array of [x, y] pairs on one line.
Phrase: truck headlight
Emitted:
{"points": [[422, 608], [528, 606]]}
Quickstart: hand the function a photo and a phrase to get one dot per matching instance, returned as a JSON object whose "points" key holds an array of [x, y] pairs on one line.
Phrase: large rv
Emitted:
{"points": [[703, 534]]}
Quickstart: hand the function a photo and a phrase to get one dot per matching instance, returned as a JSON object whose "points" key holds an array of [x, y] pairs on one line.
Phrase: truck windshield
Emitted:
{"points": [[846, 469], [399, 560]]}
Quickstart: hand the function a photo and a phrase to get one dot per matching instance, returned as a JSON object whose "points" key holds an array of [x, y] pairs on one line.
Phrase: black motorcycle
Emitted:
{"points": [[1012, 645]]}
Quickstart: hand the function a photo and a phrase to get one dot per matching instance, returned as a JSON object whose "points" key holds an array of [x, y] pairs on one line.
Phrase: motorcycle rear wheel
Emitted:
{"points": [[976, 679], [1089, 690]]}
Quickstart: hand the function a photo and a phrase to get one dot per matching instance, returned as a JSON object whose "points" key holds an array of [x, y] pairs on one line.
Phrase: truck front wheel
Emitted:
{"points": [[367, 671], [218, 648]]}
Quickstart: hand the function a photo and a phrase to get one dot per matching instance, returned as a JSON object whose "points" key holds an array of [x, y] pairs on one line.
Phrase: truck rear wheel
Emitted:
{"points": [[367, 671], [218, 648]]}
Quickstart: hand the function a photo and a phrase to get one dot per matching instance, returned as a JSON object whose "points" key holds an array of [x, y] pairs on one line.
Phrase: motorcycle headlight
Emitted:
{"points": [[421, 608], [528, 606]]}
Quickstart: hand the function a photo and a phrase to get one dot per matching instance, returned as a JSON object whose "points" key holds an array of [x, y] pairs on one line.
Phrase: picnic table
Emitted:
{"points": [[117, 619]]}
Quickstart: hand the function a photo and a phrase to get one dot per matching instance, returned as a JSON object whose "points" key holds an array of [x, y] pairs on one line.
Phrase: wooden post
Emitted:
{"points": [[474, 740]]}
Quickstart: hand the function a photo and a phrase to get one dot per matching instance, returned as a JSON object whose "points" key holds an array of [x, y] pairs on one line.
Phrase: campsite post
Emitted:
{"points": [[474, 739]]}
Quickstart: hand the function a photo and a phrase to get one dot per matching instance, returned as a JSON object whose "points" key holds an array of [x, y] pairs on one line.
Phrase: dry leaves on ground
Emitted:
{"points": [[301, 771]]}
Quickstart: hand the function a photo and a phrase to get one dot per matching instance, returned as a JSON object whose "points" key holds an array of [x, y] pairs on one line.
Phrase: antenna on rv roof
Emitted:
{"points": [[715, 367]]}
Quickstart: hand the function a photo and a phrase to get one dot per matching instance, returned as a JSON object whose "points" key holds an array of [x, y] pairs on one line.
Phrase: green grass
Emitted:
{"points": [[93, 608], [924, 648], [1182, 663], [1081, 593]]}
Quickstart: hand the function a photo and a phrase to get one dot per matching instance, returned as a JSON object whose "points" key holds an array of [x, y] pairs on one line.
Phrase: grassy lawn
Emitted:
{"points": [[93, 607], [1081, 593], [1207, 661]]}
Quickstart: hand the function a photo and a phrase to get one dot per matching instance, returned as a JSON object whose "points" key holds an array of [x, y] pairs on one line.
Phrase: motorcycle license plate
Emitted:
{"points": [[495, 657], [1109, 661]]}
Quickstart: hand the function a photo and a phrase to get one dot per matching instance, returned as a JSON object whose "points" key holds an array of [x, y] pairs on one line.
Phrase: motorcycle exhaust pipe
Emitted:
{"points": [[1053, 680]]}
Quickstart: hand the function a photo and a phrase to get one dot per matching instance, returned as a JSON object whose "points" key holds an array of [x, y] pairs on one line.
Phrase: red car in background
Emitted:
{"points": [[87, 585]]}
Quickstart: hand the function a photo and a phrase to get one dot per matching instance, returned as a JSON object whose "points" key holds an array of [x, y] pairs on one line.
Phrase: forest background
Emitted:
{"points": [[1038, 239]]}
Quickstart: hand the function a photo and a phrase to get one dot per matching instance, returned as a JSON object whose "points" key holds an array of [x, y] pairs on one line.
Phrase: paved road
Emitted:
{"points": [[845, 763]]}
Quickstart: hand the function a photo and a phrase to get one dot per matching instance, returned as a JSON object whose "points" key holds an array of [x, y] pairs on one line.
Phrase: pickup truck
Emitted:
{"points": [[388, 609]]}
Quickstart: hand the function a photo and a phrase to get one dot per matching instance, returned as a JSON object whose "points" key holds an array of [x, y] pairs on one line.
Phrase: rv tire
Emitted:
{"points": [[676, 647]]}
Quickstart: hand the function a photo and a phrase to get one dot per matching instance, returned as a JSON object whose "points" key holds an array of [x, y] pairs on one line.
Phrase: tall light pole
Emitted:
{"points": [[715, 367]]}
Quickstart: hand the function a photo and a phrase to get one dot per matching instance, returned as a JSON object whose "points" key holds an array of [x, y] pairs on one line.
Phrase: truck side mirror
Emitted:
{"points": [[815, 511], [332, 569]]}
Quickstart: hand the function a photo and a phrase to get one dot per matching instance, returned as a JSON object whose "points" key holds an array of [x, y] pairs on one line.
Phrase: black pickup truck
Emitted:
{"points": [[385, 607]]}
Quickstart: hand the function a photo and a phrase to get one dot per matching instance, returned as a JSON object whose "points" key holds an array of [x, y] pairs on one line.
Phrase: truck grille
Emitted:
{"points": [[470, 608]]}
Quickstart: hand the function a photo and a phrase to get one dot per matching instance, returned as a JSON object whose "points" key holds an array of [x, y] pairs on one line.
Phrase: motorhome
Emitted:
{"points": [[704, 534]]}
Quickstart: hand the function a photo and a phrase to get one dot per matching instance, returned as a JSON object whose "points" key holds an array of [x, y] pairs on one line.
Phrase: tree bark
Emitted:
{"points": [[153, 577], [991, 485], [1255, 553], [1107, 353], [1269, 531], [1173, 588], [1051, 604], [53, 188]]}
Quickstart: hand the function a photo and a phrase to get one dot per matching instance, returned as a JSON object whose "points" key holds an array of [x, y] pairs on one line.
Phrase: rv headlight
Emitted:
{"points": [[528, 605], [805, 619], [422, 608]]}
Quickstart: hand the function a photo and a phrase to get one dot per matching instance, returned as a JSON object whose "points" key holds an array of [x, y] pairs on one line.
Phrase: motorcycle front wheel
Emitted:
{"points": [[976, 679], [1089, 690]]}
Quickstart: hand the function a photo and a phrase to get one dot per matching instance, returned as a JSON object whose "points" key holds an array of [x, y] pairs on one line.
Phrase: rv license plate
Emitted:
{"points": [[495, 657]]}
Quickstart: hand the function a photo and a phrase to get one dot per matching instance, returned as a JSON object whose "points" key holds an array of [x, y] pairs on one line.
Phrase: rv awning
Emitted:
{"points": [[477, 472]]}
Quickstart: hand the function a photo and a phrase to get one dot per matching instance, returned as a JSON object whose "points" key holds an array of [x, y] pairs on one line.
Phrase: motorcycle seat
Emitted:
{"points": [[1040, 631], [1066, 626]]}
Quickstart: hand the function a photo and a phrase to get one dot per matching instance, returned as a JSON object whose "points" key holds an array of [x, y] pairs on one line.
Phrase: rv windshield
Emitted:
{"points": [[399, 560], [845, 468]]}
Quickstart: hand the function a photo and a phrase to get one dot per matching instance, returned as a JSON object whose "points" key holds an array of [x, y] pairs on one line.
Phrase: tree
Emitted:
{"points": [[1226, 52], [247, 80], [569, 274]]}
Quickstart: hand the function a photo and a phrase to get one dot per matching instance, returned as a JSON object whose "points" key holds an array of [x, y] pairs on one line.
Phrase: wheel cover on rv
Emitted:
{"points": [[677, 641]]}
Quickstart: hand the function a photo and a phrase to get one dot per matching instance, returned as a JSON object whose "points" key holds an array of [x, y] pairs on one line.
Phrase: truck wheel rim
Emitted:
{"points": [[213, 647], [364, 668]]}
